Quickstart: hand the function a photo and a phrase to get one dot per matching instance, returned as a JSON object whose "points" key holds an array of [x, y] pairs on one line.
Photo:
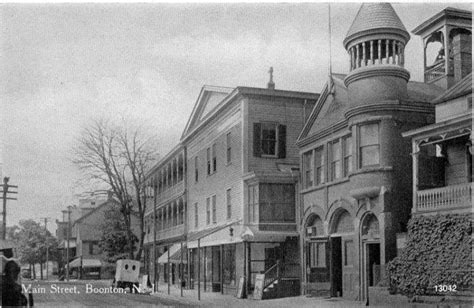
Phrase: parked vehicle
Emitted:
{"points": [[126, 274]]}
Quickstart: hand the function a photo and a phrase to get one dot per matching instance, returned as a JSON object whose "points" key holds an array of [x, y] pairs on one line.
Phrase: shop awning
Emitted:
{"points": [[5, 244], [85, 263], [175, 255]]}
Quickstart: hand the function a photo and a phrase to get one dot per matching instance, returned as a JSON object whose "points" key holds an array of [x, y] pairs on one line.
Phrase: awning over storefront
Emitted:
{"points": [[85, 263], [175, 255], [5, 244]]}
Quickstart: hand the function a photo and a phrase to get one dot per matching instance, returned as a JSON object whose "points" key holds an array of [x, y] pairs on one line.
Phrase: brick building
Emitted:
{"points": [[356, 187]]}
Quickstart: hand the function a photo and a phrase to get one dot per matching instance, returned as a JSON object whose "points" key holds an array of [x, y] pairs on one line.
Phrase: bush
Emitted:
{"points": [[438, 252]]}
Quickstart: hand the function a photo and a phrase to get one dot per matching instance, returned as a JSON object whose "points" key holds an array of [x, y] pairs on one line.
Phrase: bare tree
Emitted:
{"points": [[119, 156]]}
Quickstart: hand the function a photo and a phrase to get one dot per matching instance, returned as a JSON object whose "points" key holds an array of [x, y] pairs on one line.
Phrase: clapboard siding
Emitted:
{"points": [[227, 175], [456, 168], [289, 112]]}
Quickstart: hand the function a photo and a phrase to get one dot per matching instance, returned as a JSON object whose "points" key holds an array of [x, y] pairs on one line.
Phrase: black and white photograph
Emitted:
{"points": [[236, 154]]}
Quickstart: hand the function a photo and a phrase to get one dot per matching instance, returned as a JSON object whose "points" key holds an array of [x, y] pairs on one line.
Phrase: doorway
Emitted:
{"points": [[336, 266], [373, 266]]}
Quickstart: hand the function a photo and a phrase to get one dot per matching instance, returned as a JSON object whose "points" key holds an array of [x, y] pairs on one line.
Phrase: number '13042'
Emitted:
{"points": [[445, 288]]}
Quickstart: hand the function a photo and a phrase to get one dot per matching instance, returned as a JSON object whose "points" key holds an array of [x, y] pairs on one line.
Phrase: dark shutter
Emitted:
{"points": [[257, 140], [281, 141]]}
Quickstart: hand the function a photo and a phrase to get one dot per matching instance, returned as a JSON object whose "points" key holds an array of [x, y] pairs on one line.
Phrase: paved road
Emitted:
{"points": [[90, 293]]}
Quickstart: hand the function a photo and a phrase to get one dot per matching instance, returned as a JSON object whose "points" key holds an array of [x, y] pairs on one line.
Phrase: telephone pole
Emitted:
{"points": [[5, 191], [46, 243]]}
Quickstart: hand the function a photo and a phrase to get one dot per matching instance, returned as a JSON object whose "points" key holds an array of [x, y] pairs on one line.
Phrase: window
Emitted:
{"points": [[214, 218], [214, 158], [196, 169], [276, 203], [369, 145], [208, 161], [229, 147], [317, 254], [308, 169], [196, 217], [319, 165], [269, 140], [347, 155], [229, 203], [91, 248], [208, 210], [252, 202], [335, 157]]}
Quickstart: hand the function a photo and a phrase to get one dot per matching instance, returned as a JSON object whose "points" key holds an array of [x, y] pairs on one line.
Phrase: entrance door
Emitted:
{"points": [[336, 266], [317, 268], [373, 254]]}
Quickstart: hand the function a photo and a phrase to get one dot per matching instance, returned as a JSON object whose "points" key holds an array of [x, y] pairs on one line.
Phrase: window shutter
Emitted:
{"points": [[281, 141], [257, 139]]}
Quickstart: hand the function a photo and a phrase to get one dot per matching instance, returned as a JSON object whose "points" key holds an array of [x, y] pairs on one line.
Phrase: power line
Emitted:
{"points": [[5, 196]]}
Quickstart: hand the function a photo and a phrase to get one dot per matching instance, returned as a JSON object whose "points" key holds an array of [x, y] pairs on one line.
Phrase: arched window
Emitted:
{"points": [[314, 226], [370, 226], [343, 222]]}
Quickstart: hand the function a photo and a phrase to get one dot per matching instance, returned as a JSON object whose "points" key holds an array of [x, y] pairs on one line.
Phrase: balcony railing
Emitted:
{"points": [[444, 198], [435, 72]]}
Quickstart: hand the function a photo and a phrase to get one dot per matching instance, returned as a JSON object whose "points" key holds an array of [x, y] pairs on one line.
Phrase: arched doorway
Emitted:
{"points": [[316, 257], [342, 254], [371, 265]]}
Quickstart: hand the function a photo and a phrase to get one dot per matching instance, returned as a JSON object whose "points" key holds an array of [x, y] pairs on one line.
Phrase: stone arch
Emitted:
{"points": [[370, 226], [336, 205], [314, 226], [341, 222]]}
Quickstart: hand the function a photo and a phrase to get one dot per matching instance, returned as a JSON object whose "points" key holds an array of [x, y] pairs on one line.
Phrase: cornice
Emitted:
{"points": [[395, 106], [322, 133], [381, 70]]}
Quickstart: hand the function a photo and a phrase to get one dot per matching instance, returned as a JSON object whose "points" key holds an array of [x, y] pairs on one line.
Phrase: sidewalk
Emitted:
{"points": [[216, 299]]}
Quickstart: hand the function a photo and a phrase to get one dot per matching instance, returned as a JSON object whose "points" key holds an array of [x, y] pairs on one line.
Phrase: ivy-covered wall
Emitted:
{"points": [[438, 252]]}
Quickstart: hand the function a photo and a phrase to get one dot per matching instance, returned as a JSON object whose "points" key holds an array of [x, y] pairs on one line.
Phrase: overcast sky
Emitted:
{"points": [[63, 64]]}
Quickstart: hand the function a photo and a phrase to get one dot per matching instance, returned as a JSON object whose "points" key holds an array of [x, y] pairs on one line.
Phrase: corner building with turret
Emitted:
{"points": [[356, 187]]}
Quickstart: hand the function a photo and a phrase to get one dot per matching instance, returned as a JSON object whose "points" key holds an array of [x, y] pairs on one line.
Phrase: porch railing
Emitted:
{"points": [[435, 72], [444, 198], [271, 275]]}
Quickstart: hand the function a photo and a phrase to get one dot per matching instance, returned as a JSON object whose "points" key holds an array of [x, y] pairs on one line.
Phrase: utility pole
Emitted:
{"points": [[5, 192], [68, 239], [47, 248]]}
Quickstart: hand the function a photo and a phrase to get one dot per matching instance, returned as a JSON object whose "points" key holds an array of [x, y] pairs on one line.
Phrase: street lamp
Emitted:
{"points": [[247, 236]]}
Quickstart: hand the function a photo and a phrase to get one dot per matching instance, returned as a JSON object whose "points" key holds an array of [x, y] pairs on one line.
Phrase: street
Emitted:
{"points": [[89, 293]]}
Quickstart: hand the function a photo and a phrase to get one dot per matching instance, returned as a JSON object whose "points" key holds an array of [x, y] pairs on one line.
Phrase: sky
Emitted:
{"points": [[63, 64]]}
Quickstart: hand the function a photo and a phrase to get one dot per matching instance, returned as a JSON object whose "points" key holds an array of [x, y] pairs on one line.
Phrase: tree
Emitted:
{"points": [[119, 156], [32, 239], [114, 241]]}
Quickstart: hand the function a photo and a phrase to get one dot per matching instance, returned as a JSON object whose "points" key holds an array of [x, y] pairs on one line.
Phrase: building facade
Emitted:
{"points": [[241, 185], [356, 187], [165, 217], [442, 152]]}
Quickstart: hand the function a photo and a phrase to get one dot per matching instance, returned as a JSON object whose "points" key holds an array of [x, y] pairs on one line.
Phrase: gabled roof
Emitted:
{"points": [[447, 13], [208, 100], [376, 16], [334, 91], [198, 118], [329, 111], [461, 88]]}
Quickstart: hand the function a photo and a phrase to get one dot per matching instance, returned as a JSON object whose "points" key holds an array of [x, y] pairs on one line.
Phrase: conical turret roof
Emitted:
{"points": [[375, 17]]}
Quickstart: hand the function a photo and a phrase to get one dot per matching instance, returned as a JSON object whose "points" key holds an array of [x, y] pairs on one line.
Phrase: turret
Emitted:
{"points": [[376, 43]]}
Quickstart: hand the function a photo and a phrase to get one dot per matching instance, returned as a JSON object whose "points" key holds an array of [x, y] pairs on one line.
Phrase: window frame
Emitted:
{"points": [[196, 215], [361, 147], [319, 170], [196, 169], [229, 203], [347, 160], [276, 147], [214, 157], [308, 171], [208, 156], [335, 161], [208, 210], [229, 147], [214, 209]]}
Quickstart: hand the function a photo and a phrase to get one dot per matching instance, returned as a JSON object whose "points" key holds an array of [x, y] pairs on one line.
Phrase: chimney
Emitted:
{"points": [[462, 52], [271, 84]]}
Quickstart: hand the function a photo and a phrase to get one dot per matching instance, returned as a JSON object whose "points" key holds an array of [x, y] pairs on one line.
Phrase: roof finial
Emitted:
{"points": [[271, 84]]}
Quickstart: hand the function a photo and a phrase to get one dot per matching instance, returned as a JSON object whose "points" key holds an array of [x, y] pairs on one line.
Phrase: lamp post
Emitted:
{"points": [[247, 236]]}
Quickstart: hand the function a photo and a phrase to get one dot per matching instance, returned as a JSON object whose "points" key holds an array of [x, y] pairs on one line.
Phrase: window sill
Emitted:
{"points": [[323, 185], [368, 169], [268, 156]]}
